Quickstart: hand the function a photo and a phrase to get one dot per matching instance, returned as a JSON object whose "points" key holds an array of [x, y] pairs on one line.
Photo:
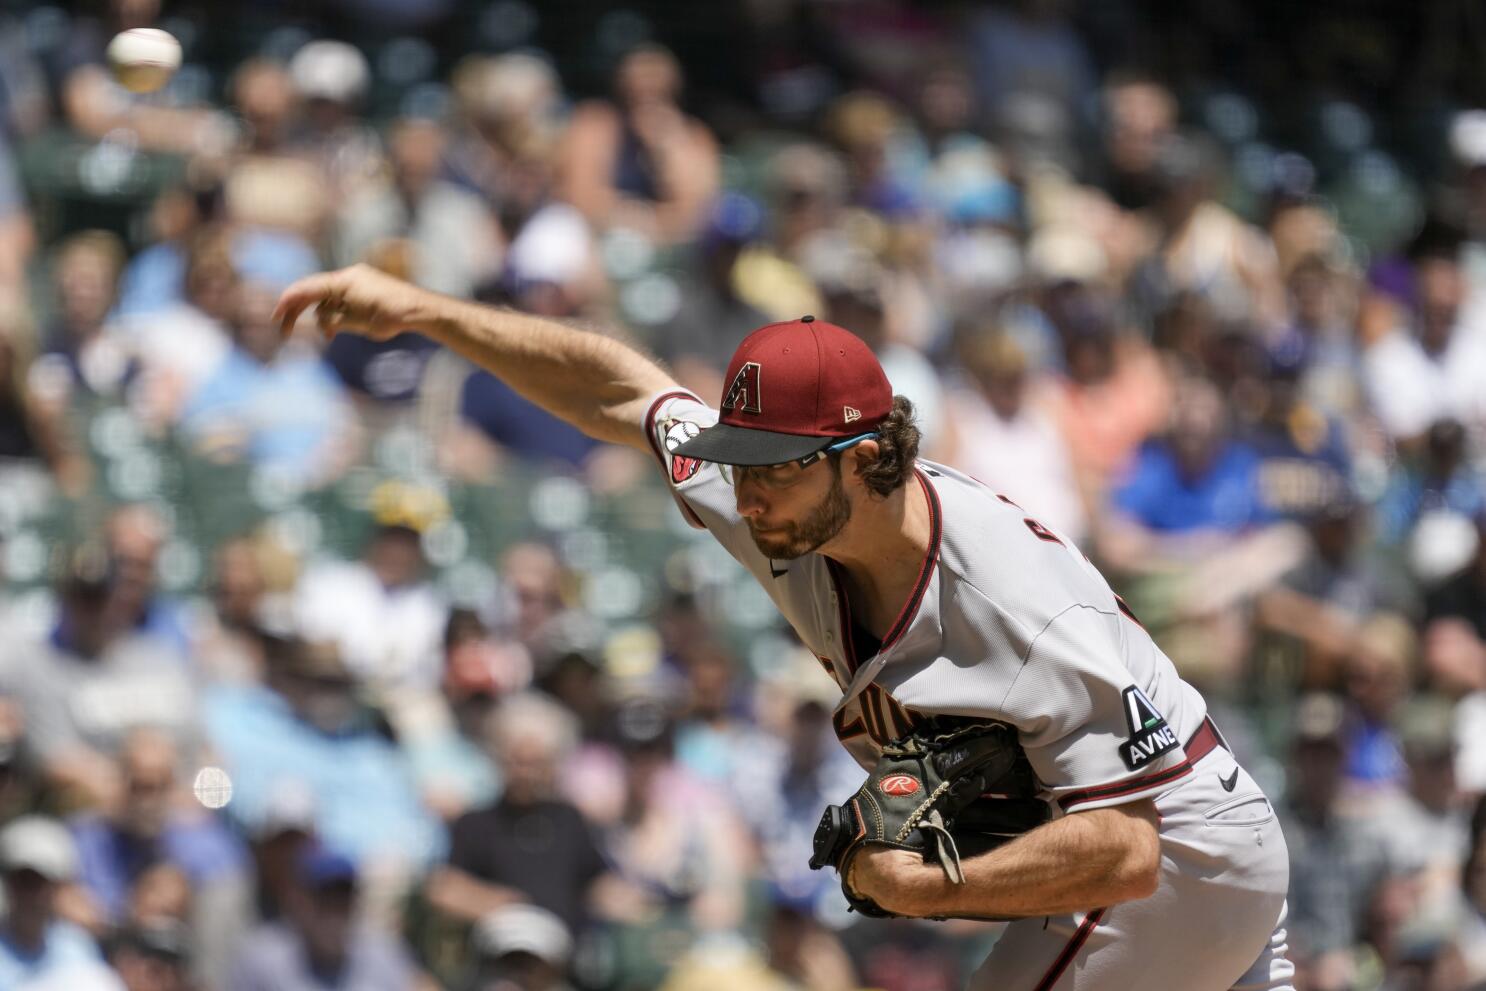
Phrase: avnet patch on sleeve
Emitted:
{"points": [[1150, 737]]}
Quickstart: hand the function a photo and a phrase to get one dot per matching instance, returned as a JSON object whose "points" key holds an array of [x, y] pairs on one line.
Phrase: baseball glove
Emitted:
{"points": [[945, 793]]}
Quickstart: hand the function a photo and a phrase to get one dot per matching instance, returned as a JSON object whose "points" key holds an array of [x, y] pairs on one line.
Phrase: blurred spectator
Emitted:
{"points": [[852, 287], [154, 957], [154, 279], [807, 185], [382, 612], [92, 682], [1427, 828], [32, 428], [1337, 864], [1473, 884], [331, 79], [784, 776], [282, 830], [447, 747], [1454, 657], [320, 944], [520, 948], [712, 733], [677, 850], [1379, 673], [17, 233], [81, 347], [266, 183], [868, 129], [1437, 479], [452, 241], [1189, 521], [154, 825], [1321, 601], [1003, 433], [1139, 116], [17, 787], [806, 953], [713, 317], [1320, 335], [134, 537], [1423, 361], [508, 106], [40, 949], [529, 845], [226, 643], [1113, 396], [1027, 51], [1197, 479], [1304, 463], [182, 345], [534, 587], [271, 403], [640, 161], [1203, 247], [308, 724]]}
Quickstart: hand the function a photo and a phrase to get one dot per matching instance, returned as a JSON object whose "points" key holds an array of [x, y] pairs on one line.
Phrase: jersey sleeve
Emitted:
{"points": [[1089, 730], [704, 495]]}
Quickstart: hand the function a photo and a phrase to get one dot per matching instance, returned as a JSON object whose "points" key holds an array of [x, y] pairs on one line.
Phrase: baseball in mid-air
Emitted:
{"points": [[144, 59]]}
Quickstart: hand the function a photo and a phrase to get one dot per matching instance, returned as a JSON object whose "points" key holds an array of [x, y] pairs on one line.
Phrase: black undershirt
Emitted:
{"points": [[863, 644]]}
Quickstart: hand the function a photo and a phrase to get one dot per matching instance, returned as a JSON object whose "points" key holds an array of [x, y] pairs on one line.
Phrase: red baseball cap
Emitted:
{"points": [[794, 389]]}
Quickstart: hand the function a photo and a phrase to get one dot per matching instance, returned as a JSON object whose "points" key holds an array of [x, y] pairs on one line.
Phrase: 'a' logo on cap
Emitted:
{"points": [[851, 413], [743, 393]]}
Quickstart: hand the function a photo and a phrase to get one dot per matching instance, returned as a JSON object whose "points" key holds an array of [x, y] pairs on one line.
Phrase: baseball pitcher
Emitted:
{"points": [[1031, 753]]}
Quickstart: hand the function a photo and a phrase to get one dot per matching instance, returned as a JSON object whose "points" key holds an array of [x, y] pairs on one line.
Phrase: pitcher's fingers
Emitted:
{"points": [[298, 297]]}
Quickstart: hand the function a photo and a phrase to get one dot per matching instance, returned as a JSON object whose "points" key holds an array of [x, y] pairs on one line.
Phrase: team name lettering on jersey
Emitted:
{"points": [[1150, 737], [876, 714]]}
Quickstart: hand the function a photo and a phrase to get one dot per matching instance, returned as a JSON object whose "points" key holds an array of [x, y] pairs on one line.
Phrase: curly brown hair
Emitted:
{"points": [[897, 442]]}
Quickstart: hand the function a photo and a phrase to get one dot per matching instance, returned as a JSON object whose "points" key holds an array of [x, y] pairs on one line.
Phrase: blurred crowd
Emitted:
{"points": [[1224, 327]]}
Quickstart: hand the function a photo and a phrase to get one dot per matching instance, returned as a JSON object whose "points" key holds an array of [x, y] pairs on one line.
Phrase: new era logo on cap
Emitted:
{"points": [[825, 385]]}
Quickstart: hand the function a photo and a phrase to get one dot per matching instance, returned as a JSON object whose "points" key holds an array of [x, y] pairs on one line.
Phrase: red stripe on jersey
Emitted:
{"points": [[1122, 788], [1129, 613], [926, 570], [1070, 951], [915, 598]]}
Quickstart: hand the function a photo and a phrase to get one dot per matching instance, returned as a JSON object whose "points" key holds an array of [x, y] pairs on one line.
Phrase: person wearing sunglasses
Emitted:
{"points": [[928, 597]]}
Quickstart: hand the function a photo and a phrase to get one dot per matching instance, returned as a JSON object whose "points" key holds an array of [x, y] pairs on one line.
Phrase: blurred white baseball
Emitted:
{"points": [[143, 59], [213, 787]]}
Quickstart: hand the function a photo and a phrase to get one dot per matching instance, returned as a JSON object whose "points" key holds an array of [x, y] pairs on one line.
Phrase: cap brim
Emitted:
{"points": [[729, 445]]}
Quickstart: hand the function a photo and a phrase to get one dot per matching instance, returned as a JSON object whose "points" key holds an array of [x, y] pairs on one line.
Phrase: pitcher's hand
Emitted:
{"points": [[360, 299]]}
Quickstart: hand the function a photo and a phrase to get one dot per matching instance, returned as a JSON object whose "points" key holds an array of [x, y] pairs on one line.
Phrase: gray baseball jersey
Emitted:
{"points": [[1009, 621]]}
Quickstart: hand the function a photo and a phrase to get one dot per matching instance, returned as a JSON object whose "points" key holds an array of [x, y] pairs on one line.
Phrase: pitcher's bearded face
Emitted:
{"points": [[786, 540]]}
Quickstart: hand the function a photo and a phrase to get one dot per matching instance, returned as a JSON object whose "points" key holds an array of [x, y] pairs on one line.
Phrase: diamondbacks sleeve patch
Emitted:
{"points": [[678, 432], [1150, 737]]}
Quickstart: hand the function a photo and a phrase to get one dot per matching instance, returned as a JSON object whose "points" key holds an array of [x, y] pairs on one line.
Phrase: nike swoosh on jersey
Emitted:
{"points": [[1229, 782]]}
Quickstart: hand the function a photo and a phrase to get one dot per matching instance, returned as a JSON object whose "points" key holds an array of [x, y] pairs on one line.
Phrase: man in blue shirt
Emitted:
{"points": [[36, 860]]}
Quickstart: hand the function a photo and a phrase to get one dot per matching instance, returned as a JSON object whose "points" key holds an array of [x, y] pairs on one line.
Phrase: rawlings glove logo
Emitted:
{"points": [[899, 785]]}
